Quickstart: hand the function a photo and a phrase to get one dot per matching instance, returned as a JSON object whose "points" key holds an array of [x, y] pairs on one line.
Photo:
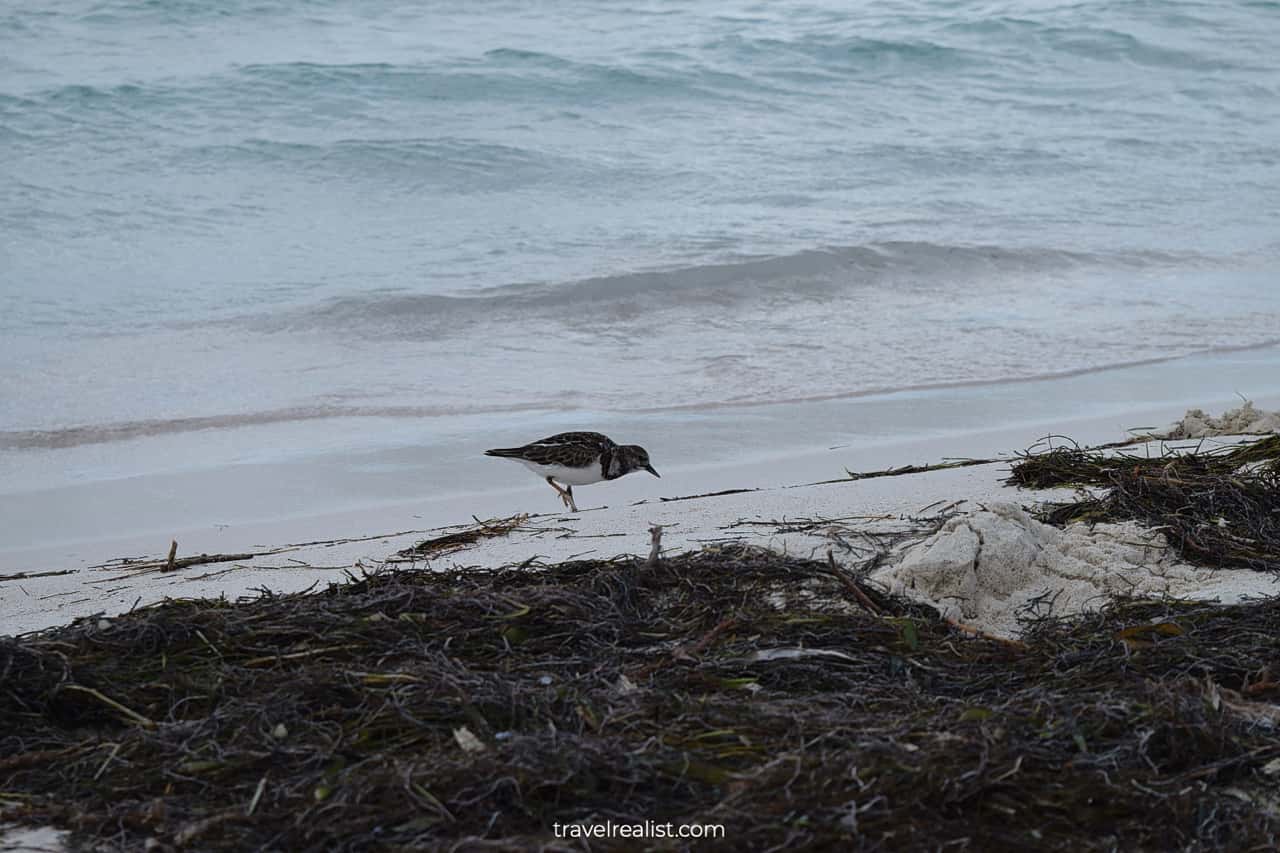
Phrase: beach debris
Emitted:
{"points": [[681, 694], [143, 566], [257, 796], [655, 544], [1243, 420], [718, 494], [22, 576], [915, 469], [329, 543], [452, 542], [960, 463], [124, 711], [797, 653], [1217, 507], [851, 585], [467, 740]]}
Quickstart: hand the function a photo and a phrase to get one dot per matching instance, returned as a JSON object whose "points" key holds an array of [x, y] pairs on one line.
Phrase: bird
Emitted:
{"points": [[577, 459]]}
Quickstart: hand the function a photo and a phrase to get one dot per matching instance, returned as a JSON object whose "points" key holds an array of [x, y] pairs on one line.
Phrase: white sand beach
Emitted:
{"points": [[785, 503]]}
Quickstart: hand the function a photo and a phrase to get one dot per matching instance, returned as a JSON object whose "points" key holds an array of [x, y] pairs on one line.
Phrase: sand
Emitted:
{"points": [[985, 567], [994, 565], [764, 517], [20, 839]]}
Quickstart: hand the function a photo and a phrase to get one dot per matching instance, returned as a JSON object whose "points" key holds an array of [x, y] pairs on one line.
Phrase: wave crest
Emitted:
{"points": [[815, 275]]}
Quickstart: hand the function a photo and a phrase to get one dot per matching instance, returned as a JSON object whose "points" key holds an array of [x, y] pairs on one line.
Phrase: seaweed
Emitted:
{"points": [[452, 542], [734, 686], [1218, 507]]}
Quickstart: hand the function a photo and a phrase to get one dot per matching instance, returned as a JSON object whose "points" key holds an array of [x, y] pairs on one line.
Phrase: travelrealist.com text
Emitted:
{"points": [[647, 829]]}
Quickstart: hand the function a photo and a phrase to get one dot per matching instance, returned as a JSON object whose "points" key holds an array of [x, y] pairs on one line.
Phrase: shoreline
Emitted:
{"points": [[81, 435], [230, 490]]}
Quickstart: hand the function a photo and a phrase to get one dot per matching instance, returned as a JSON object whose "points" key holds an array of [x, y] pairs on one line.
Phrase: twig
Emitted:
{"points": [[705, 495], [265, 659], [115, 748], [173, 555], [655, 545], [904, 470], [983, 635], [866, 603], [41, 757], [132, 570], [725, 624], [107, 700], [22, 576], [329, 543], [696, 648], [257, 795]]}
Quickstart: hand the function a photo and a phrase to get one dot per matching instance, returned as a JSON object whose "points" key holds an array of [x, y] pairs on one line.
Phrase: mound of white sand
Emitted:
{"points": [[988, 567], [1245, 420]]}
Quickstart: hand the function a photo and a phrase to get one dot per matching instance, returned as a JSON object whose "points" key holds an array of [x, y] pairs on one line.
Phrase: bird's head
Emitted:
{"points": [[633, 457]]}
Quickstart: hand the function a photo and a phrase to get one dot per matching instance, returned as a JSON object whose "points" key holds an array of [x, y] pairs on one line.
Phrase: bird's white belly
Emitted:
{"points": [[566, 476]]}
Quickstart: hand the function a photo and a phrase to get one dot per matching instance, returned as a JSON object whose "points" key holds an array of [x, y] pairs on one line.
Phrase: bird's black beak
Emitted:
{"points": [[649, 468]]}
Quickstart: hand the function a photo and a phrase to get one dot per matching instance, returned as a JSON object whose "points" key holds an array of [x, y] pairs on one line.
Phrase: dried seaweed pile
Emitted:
{"points": [[1218, 507], [414, 710]]}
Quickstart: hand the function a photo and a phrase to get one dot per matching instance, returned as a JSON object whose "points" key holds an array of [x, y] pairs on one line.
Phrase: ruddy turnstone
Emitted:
{"points": [[577, 459]]}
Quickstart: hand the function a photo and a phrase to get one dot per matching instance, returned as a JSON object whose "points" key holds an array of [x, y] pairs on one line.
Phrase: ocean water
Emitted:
{"points": [[225, 214]]}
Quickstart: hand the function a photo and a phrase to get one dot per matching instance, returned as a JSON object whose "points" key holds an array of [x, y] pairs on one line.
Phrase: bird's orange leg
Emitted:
{"points": [[566, 494]]}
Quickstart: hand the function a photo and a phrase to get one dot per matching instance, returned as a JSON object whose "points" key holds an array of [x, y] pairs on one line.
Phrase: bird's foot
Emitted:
{"points": [[566, 495]]}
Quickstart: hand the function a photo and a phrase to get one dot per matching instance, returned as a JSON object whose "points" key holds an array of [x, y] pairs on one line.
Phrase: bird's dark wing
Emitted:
{"points": [[571, 449]]}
